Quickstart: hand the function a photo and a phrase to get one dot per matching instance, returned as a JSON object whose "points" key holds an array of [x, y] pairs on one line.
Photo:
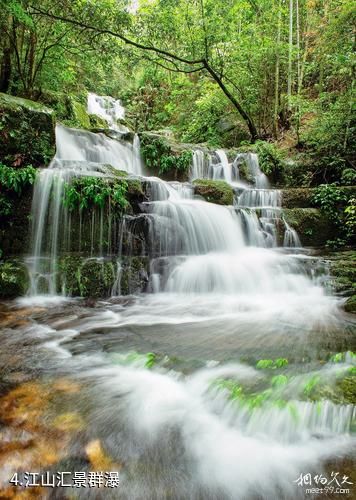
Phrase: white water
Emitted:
{"points": [[78, 153], [108, 108]]}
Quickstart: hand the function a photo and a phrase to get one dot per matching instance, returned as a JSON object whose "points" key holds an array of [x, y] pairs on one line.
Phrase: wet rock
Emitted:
{"points": [[313, 227], [350, 304], [219, 192], [27, 133]]}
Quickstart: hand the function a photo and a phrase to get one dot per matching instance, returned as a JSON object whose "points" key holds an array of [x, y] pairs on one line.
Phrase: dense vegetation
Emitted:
{"points": [[227, 73]]}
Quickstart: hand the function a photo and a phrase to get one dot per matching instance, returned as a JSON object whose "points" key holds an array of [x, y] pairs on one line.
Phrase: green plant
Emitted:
{"points": [[6, 205], [91, 192], [310, 385], [271, 160], [329, 198], [348, 176], [272, 364], [16, 179], [158, 156], [350, 216]]}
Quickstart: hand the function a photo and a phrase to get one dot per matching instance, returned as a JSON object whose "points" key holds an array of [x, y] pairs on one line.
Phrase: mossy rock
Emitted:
{"points": [[97, 122], [26, 132], [15, 224], [313, 227], [80, 115], [14, 280], [342, 266], [219, 192], [350, 304], [95, 278], [348, 388]]}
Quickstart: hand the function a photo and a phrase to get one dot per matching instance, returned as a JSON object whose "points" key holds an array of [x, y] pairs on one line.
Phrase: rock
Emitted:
{"points": [[95, 278], [225, 125], [26, 132], [350, 304], [14, 280], [313, 227], [219, 192], [15, 226], [342, 267], [98, 458], [80, 114]]}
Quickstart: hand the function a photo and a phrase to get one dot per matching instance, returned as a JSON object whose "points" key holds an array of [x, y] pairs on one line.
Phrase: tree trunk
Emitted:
{"points": [[276, 76], [290, 53], [246, 117]]}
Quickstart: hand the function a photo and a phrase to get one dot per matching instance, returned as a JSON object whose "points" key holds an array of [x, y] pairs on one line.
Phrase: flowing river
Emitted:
{"points": [[218, 381]]}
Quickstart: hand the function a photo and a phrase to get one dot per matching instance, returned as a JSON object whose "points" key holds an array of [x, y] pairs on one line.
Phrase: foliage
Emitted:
{"points": [[16, 179], [271, 160], [272, 364], [91, 192], [158, 156], [329, 198], [350, 216]]}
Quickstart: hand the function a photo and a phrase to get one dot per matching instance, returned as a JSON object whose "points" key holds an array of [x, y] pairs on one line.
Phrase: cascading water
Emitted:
{"points": [[78, 153], [197, 426]]}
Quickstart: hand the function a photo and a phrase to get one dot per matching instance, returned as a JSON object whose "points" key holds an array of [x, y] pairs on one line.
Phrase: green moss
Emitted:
{"points": [[26, 132], [14, 279], [80, 114], [97, 122], [219, 192], [96, 278], [348, 389]]}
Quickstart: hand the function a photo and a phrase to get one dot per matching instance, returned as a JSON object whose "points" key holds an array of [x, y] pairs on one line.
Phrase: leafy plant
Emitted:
{"points": [[91, 192], [328, 197], [16, 179], [271, 160], [272, 364]]}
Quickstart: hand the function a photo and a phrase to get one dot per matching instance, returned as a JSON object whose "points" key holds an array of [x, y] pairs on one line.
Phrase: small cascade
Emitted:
{"points": [[200, 165], [108, 108], [258, 206], [291, 238]]}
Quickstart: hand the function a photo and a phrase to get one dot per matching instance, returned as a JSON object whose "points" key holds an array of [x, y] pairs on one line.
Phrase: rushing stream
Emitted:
{"points": [[167, 387]]}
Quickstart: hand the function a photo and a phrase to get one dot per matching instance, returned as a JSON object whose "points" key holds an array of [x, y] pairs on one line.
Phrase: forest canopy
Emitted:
{"points": [[224, 72]]}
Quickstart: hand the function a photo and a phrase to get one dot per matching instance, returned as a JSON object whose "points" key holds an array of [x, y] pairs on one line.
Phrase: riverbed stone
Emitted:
{"points": [[26, 132]]}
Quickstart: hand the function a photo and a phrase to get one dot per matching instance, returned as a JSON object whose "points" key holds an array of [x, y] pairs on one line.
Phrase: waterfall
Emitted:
{"points": [[108, 108], [221, 297], [78, 153]]}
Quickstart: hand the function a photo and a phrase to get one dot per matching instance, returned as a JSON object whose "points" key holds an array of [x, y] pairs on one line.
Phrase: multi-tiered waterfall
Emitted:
{"points": [[221, 292]]}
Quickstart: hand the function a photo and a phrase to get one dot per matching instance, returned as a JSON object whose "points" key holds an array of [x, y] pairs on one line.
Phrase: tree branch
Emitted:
{"points": [[37, 11]]}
